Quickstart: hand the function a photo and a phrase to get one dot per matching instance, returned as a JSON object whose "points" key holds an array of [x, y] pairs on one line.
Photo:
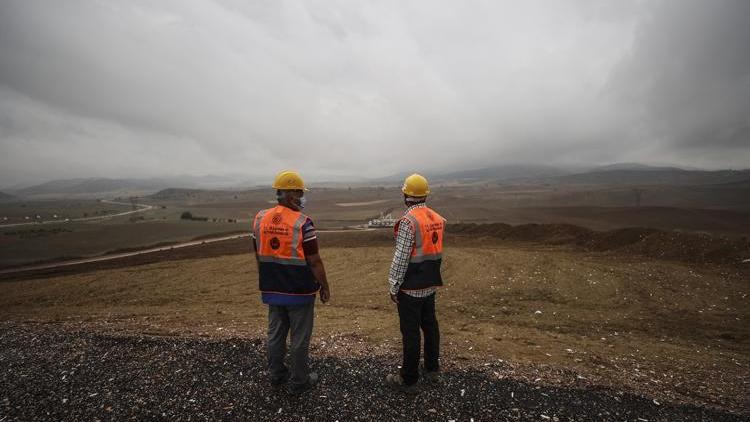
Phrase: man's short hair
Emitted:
{"points": [[415, 199]]}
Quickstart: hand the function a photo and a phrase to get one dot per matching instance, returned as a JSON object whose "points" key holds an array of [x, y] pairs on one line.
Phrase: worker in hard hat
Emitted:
{"points": [[413, 279], [291, 273]]}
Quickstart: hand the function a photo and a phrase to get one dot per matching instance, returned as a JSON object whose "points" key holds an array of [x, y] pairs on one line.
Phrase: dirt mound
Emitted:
{"points": [[688, 247], [552, 233], [691, 247], [619, 238]]}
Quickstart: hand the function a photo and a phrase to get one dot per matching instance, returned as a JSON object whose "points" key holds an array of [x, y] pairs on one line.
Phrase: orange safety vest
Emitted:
{"points": [[427, 253], [282, 266]]}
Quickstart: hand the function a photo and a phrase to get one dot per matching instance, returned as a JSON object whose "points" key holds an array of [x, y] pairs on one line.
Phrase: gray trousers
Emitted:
{"points": [[280, 319]]}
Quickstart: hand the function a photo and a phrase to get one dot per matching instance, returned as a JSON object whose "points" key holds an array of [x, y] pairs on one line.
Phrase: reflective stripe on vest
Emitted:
{"points": [[256, 224], [427, 254], [281, 258]]}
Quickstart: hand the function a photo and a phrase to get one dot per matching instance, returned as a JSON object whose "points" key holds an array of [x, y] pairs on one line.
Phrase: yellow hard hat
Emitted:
{"points": [[416, 185], [289, 180]]}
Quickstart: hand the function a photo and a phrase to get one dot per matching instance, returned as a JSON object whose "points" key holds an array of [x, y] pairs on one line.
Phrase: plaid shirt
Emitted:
{"points": [[404, 244]]}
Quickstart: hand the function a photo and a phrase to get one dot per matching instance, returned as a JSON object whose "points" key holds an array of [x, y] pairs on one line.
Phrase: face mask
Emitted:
{"points": [[300, 202]]}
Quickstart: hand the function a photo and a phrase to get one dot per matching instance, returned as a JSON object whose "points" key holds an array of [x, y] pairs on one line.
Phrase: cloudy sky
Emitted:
{"points": [[142, 88]]}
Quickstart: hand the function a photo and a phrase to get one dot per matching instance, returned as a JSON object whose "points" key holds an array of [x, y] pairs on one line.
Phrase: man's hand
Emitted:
{"points": [[325, 294], [319, 272], [394, 298]]}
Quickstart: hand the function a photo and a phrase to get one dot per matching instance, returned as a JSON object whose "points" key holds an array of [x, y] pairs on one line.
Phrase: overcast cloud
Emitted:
{"points": [[141, 88]]}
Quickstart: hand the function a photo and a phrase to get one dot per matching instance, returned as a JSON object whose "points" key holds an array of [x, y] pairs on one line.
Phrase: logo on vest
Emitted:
{"points": [[434, 237], [275, 243], [276, 219]]}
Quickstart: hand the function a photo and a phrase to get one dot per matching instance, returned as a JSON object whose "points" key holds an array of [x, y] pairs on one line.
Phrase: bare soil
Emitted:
{"points": [[623, 318]]}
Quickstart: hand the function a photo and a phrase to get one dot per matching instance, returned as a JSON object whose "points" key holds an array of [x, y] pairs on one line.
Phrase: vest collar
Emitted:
{"points": [[415, 206], [284, 206]]}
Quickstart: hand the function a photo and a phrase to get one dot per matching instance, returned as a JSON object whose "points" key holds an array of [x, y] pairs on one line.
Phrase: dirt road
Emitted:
{"points": [[54, 266], [141, 208], [118, 256]]}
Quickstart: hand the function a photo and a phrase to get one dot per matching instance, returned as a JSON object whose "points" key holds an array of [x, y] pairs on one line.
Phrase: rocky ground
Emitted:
{"points": [[54, 372]]}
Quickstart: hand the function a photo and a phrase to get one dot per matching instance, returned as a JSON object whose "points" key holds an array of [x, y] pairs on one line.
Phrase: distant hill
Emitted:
{"points": [[4, 197], [210, 195], [90, 187], [633, 166], [618, 174], [179, 193], [500, 173], [745, 183], [488, 174], [655, 176], [531, 172]]}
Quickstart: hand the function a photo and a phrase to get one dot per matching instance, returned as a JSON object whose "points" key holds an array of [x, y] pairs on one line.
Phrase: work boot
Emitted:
{"points": [[280, 382], [430, 377], [396, 382], [312, 380]]}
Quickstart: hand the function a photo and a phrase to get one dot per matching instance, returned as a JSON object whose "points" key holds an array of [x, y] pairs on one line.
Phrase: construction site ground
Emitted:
{"points": [[537, 322]]}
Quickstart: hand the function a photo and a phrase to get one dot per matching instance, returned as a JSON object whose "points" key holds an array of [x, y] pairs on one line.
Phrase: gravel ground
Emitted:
{"points": [[50, 372]]}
